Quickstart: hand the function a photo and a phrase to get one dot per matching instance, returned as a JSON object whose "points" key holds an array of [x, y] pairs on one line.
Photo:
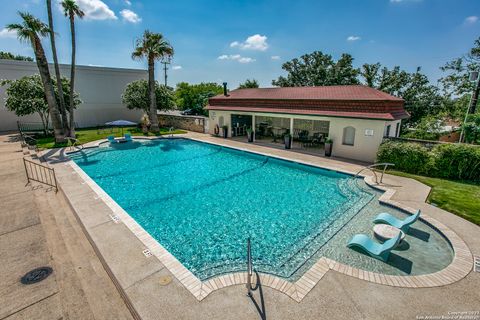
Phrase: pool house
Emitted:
{"points": [[356, 118]]}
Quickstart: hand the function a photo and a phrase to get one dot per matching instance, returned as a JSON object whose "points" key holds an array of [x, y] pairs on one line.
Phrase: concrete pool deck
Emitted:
{"points": [[334, 296]]}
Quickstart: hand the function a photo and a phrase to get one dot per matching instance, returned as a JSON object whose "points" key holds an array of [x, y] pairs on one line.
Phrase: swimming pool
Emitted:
{"points": [[201, 202]]}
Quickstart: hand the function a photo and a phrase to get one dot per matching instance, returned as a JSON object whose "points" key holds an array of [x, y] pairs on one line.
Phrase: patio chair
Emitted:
{"points": [[403, 225], [317, 139], [373, 248], [127, 137], [111, 139], [303, 138]]}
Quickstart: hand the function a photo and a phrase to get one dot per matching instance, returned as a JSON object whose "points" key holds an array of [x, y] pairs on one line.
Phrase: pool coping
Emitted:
{"points": [[460, 266]]}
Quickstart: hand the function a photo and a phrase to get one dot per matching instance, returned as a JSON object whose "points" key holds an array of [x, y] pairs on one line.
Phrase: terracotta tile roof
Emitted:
{"points": [[337, 101], [355, 92]]}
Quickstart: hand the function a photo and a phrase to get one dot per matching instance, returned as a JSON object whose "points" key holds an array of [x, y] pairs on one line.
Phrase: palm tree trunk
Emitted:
{"points": [[57, 68], [42, 64], [151, 91], [72, 78]]}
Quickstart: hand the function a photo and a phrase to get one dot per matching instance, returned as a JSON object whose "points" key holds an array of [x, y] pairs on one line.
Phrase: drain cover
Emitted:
{"points": [[164, 280], [36, 275]]}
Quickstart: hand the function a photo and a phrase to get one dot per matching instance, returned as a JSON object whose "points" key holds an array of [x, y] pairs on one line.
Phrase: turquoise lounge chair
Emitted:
{"points": [[111, 139], [373, 248], [403, 225], [127, 137]]}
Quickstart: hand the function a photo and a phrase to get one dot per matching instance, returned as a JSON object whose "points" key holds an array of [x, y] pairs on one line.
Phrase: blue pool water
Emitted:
{"points": [[202, 202]]}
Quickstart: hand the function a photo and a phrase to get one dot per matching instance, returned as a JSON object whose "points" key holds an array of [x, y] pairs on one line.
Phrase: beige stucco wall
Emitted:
{"points": [[366, 143], [100, 90]]}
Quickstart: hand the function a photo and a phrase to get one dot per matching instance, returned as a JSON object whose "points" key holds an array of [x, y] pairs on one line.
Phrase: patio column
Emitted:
{"points": [[291, 127], [253, 126]]}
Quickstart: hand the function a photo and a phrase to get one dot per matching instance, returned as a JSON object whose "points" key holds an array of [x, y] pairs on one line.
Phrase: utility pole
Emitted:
{"points": [[475, 94], [474, 76], [165, 61]]}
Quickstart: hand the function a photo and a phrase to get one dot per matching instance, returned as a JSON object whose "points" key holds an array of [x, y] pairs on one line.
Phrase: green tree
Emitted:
{"points": [[195, 96], [421, 98], [26, 96], [30, 30], [11, 56], [471, 128], [249, 84], [72, 10], [456, 82], [61, 104], [152, 46], [318, 69], [136, 96]]}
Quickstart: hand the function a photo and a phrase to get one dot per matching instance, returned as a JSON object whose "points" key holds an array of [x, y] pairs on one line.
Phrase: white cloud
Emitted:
{"points": [[236, 57], [471, 20], [130, 16], [275, 57], [255, 42], [353, 38], [5, 33], [128, 2], [96, 10], [177, 68]]}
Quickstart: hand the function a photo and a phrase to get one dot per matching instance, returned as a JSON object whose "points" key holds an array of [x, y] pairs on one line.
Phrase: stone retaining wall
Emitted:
{"points": [[191, 123]]}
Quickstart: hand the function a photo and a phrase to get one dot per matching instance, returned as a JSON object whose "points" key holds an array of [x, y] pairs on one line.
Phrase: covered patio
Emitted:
{"points": [[308, 136]]}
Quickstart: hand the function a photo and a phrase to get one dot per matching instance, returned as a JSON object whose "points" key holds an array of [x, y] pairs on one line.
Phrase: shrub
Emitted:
{"points": [[457, 161], [407, 156], [450, 161]]}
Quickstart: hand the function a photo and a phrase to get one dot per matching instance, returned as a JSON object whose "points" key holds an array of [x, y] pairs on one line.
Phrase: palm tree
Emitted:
{"points": [[71, 9], [30, 31], [152, 46], [61, 98]]}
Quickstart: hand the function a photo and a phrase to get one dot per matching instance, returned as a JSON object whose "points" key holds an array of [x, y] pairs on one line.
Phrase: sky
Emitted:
{"points": [[217, 41]]}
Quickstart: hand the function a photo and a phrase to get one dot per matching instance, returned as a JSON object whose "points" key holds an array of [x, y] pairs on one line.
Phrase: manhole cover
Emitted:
{"points": [[36, 275], [164, 280]]}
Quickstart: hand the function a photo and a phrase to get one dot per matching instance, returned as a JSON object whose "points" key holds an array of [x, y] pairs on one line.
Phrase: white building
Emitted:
{"points": [[356, 118], [100, 89]]}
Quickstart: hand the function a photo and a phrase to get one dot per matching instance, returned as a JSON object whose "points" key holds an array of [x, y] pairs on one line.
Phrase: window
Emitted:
{"points": [[348, 136], [397, 130], [387, 132]]}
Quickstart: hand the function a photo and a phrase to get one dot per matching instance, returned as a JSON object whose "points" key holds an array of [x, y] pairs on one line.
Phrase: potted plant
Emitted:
{"points": [[145, 121], [328, 147], [225, 131], [250, 134], [288, 140]]}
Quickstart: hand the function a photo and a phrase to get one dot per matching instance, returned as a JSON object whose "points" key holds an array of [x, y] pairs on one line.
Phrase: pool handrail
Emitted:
{"points": [[370, 167], [249, 269]]}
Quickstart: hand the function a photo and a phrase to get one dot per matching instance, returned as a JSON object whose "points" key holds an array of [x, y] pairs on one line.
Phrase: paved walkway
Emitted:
{"points": [[38, 228], [336, 296]]}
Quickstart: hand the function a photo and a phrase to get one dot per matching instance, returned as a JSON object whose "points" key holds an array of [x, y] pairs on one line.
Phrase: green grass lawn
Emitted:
{"points": [[87, 135], [460, 198]]}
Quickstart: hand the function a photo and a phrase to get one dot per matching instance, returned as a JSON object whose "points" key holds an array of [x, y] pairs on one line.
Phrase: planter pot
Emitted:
{"points": [[250, 136], [288, 142], [225, 133], [328, 149]]}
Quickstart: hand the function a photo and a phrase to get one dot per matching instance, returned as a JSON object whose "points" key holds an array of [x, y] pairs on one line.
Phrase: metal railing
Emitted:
{"points": [[40, 173], [249, 269], [372, 166]]}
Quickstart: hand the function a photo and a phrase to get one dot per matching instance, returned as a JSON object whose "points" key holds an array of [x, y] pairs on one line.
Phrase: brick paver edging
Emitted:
{"points": [[458, 269]]}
